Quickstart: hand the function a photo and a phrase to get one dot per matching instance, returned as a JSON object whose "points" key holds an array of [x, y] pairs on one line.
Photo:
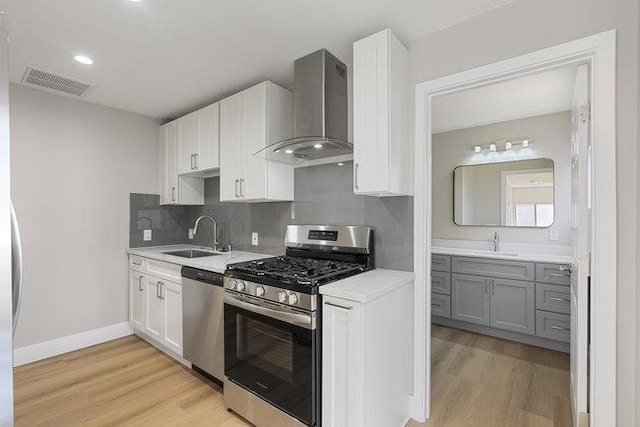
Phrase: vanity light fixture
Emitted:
{"points": [[477, 149], [507, 146], [492, 148], [525, 143]]}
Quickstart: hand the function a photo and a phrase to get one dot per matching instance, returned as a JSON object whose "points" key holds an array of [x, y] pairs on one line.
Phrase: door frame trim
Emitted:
{"points": [[599, 52]]}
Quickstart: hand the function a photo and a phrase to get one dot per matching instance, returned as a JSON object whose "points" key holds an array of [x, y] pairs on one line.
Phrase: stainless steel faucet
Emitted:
{"points": [[495, 240], [215, 229]]}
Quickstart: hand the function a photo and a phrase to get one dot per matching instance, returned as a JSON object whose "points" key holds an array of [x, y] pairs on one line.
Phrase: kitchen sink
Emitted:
{"points": [[191, 253]]}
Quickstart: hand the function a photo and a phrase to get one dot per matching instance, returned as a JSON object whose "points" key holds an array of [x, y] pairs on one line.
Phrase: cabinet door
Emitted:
{"points": [[153, 308], [188, 134], [371, 114], [470, 299], [513, 305], [341, 376], [136, 300], [171, 296], [233, 145], [168, 164], [208, 154], [254, 181]]}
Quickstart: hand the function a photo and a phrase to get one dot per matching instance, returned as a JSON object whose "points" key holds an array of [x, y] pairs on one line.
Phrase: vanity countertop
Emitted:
{"points": [[506, 255]]}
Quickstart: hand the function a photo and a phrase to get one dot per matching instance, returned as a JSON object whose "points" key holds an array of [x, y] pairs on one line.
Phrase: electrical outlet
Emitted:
{"points": [[146, 235], [191, 234], [254, 238], [554, 234]]}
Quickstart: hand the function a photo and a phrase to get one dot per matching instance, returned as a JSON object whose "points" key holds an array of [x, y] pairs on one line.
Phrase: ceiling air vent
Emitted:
{"points": [[54, 82]]}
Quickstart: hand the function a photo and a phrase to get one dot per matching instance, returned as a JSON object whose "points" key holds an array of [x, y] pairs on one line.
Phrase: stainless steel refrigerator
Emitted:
{"points": [[10, 251]]}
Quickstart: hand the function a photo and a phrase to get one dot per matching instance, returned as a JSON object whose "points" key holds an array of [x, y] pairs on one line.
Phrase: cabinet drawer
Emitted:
{"points": [[555, 326], [440, 262], [516, 270], [164, 270], [440, 305], [136, 263], [441, 282], [553, 273], [553, 298]]}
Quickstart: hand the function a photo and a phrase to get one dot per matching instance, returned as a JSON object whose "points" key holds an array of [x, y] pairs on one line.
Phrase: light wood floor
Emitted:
{"points": [[480, 381], [476, 381]]}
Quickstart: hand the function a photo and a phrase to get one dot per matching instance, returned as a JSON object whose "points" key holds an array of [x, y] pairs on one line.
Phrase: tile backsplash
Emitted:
{"points": [[323, 195]]}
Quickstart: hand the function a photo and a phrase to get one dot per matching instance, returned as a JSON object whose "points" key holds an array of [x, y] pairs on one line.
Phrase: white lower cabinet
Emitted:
{"points": [[136, 299], [155, 305]]}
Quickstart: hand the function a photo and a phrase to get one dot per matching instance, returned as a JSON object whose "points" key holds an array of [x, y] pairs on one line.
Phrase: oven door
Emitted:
{"points": [[270, 350]]}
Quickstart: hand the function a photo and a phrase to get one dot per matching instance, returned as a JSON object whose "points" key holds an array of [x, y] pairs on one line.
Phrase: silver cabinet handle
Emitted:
{"points": [[344, 307], [191, 161], [237, 181], [558, 299], [355, 176], [136, 262], [173, 194], [241, 187], [195, 156], [140, 283], [162, 285], [560, 328], [158, 285], [433, 303]]}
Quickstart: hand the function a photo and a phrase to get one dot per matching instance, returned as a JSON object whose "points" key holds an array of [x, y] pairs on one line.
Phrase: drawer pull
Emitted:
{"points": [[436, 304], [136, 262], [344, 307], [557, 274], [558, 299], [560, 328]]}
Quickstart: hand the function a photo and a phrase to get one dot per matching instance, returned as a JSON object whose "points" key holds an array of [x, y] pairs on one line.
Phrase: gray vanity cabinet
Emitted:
{"points": [[441, 285], [470, 299], [513, 305]]}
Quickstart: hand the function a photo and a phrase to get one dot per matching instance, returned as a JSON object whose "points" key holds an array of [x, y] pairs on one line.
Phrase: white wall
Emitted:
{"points": [[525, 26], [551, 135], [73, 167]]}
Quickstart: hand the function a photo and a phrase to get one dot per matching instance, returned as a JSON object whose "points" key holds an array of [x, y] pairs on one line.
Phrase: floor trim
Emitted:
{"points": [[44, 350]]}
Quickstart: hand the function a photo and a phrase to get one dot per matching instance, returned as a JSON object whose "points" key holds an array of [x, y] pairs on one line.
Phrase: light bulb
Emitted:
{"points": [[492, 148], [477, 149], [507, 146], [525, 143]]}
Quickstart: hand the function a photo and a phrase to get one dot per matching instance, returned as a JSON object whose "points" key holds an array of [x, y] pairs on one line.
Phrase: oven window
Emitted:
{"points": [[266, 347]]}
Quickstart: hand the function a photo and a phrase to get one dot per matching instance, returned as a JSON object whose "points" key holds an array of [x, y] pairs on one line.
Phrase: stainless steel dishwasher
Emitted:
{"points": [[203, 320]]}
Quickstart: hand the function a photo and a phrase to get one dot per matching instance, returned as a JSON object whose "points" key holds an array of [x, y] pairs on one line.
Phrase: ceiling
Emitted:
{"points": [[162, 58], [544, 93]]}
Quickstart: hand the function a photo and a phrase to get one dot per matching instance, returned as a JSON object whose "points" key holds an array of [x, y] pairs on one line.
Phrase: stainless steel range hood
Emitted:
{"points": [[320, 112]]}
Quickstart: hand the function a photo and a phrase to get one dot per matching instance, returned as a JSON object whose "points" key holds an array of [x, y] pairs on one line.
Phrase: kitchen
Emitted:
{"points": [[71, 204]]}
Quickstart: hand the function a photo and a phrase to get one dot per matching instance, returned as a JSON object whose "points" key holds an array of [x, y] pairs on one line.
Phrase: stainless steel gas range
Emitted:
{"points": [[272, 323]]}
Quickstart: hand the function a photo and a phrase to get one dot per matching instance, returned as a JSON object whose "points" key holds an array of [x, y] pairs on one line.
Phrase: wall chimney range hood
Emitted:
{"points": [[320, 112]]}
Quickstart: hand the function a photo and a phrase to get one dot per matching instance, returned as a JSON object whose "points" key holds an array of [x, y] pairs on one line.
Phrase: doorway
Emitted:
{"points": [[597, 54]]}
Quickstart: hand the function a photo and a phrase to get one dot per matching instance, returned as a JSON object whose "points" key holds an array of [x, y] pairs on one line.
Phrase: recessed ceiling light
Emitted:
{"points": [[83, 59], [340, 164], [136, 1], [288, 151], [317, 145]]}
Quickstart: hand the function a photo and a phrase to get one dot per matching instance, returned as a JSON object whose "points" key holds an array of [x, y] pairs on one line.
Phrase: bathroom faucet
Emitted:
{"points": [[496, 241], [215, 229]]}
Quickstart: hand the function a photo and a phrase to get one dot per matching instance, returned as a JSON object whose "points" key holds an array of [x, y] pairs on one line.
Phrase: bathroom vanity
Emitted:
{"points": [[515, 297]]}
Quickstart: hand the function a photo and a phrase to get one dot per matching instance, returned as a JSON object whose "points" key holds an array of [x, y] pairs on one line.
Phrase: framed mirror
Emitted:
{"points": [[507, 194]]}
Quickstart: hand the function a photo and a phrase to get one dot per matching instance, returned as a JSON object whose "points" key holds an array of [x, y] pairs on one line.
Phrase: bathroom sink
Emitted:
{"points": [[191, 253], [492, 253]]}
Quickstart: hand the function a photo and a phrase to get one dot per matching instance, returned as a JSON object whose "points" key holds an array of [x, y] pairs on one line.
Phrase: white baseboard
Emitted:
{"points": [[44, 350]]}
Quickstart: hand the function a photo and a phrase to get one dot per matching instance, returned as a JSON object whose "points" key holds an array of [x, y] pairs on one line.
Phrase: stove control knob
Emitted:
{"points": [[233, 284], [240, 286], [293, 299], [282, 296], [259, 291]]}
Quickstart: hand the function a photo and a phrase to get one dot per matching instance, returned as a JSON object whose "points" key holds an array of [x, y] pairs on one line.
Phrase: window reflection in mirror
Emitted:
{"points": [[510, 194]]}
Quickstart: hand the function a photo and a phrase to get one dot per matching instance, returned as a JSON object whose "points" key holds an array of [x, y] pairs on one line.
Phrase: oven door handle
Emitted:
{"points": [[302, 320]]}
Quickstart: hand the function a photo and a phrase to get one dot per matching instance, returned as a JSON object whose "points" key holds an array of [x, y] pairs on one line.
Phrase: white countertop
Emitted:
{"points": [[506, 255], [217, 264], [368, 286]]}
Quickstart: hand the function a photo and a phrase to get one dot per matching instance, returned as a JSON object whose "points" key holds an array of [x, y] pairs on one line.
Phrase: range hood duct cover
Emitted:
{"points": [[320, 112]]}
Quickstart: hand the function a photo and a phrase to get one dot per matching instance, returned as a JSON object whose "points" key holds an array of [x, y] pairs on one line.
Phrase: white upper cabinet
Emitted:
{"points": [[199, 140], [176, 189], [382, 117], [249, 121]]}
